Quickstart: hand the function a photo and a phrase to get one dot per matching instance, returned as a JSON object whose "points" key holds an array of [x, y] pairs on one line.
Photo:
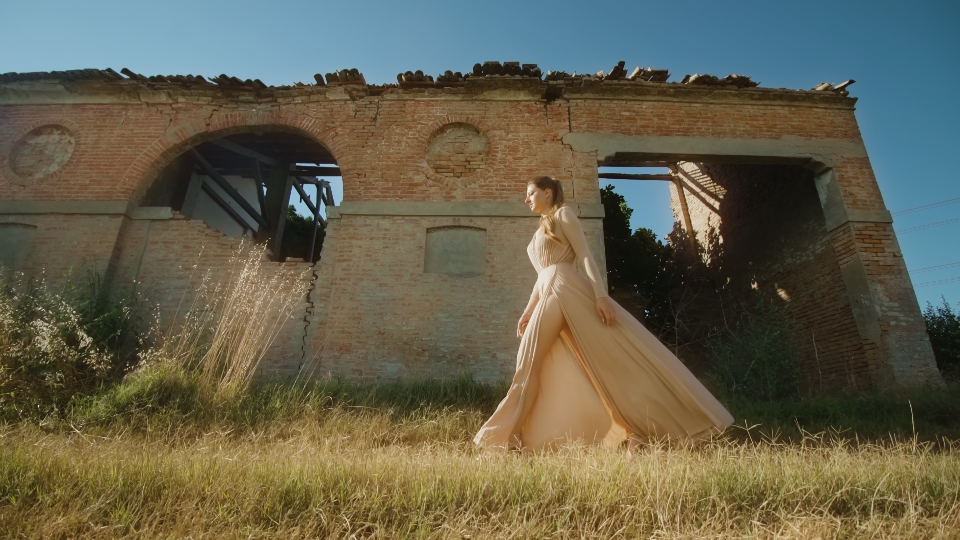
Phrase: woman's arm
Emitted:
{"points": [[570, 225]]}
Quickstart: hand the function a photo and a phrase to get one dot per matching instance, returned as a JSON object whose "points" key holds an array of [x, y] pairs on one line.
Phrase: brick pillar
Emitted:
{"points": [[881, 295]]}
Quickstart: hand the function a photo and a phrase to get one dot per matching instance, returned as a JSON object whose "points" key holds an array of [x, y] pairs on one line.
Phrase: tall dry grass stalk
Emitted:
{"points": [[230, 323]]}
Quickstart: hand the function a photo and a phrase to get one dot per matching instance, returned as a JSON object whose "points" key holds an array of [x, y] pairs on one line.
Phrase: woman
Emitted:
{"points": [[587, 370]]}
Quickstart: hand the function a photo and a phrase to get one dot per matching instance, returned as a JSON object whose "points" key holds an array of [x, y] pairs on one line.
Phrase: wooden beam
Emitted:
{"points": [[237, 149], [317, 171], [231, 191], [261, 192], [626, 162], [685, 210], [303, 195], [619, 176], [208, 189]]}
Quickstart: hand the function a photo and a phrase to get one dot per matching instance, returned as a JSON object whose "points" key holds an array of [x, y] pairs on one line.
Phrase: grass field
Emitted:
{"points": [[153, 458]]}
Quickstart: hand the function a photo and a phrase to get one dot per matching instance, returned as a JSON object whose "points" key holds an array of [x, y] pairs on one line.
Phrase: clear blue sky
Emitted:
{"points": [[904, 56]]}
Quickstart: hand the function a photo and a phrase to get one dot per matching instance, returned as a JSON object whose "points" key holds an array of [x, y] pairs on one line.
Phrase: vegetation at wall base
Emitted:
{"points": [[188, 445], [59, 342], [753, 358], [151, 457]]}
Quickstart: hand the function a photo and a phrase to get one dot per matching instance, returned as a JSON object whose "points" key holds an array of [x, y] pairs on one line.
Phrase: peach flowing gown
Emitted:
{"points": [[597, 383]]}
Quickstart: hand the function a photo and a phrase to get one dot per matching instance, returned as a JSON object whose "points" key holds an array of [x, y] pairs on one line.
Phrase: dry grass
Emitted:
{"points": [[319, 465], [229, 323], [186, 448]]}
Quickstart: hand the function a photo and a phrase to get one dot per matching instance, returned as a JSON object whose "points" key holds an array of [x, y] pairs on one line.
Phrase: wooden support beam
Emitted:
{"points": [[284, 201], [303, 195], [314, 209], [638, 164], [237, 149], [231, 191], [316, 171], [685, 210], [261, 192], [208, 189], [327, 193], [619, 176]]}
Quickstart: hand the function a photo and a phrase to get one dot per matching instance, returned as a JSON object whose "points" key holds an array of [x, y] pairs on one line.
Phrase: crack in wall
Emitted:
{"points": [[309, 311]]}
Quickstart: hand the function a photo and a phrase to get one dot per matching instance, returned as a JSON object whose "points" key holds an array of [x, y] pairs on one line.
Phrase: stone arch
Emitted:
{"points": [[144, 169]]}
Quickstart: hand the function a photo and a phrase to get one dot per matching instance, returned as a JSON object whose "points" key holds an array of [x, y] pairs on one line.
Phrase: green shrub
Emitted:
{"points": [[755, 359], [944, 329], [55, 344], [296, 236]]}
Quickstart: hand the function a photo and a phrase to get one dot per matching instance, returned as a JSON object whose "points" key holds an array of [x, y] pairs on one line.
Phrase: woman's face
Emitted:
{"points": [[539, 200]]}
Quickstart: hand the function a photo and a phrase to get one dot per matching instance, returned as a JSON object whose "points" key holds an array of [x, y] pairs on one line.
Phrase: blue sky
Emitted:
{"points": [[903, 55]]}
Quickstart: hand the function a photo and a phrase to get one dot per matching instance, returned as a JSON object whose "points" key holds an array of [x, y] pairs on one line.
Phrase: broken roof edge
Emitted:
{"points": [[570, 87]]}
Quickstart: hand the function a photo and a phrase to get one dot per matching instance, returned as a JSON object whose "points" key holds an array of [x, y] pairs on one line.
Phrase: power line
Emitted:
{"points": [[929, 225], [938, 282], [937, 267], [926, 206]]}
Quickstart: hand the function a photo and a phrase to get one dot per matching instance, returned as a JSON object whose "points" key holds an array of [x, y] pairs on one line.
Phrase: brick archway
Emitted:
{"points": [[144, 169]]}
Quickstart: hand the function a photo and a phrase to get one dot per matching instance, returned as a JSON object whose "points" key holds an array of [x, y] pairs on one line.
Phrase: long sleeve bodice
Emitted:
{"points": [[572, 247]]}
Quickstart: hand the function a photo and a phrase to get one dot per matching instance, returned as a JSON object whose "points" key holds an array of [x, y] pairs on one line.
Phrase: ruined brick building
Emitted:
{"points": [[423, 269]]}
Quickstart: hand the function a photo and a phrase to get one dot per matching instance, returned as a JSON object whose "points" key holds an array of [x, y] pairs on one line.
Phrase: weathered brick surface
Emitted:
{"points": [[74, 244], [166, 262], [773, 238], [372, 310]]}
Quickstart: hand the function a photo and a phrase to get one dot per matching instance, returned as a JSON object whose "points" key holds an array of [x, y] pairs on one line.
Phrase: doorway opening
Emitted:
{"points": [[748, 237]]}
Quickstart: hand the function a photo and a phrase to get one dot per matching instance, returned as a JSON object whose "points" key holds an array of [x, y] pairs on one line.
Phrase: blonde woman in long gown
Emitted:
{"points": [[587, 370]]}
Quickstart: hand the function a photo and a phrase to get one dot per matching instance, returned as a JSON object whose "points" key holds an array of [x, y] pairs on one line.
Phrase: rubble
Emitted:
{"points": [[415, 79], [418, 79], [838, 89], [345, 76], [705, 79], [491, 67]]}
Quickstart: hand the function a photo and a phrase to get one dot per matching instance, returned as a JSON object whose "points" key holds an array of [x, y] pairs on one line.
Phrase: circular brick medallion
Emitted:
{"points": [[41, 152], [457, 151]]}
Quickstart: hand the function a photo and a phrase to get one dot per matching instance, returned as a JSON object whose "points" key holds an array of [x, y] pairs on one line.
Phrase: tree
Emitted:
{"points": [[943, 326], [296, 236], [640, 267]]}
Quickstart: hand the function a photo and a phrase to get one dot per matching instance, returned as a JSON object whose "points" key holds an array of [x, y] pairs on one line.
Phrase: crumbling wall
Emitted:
{"points": [[78, 245], [448, 155], [166, 261]]}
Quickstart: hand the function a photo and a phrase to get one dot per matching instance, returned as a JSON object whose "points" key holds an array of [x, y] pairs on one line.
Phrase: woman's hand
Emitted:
{"points": [[522, 323], [605, 310]]}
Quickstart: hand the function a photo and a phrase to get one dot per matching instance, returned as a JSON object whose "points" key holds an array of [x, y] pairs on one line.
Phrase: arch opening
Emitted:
{"points": [[245, 184]]}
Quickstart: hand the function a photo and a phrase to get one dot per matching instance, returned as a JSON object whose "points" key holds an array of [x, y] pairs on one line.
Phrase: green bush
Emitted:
{"points": [[296, 236], [755, 359], [944, 329], [55, 344]]}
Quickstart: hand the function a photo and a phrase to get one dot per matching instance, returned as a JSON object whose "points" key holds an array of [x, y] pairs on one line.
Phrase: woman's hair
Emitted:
{"points": [[548, 221]]}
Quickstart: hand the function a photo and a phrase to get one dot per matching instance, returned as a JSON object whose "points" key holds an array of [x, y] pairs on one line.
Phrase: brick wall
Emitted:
{"points": [[372, 311], [167, 262], [80, 245]]}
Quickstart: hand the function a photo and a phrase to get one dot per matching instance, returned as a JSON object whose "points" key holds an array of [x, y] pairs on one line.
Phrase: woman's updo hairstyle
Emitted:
{"points": [[548, 221]]}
